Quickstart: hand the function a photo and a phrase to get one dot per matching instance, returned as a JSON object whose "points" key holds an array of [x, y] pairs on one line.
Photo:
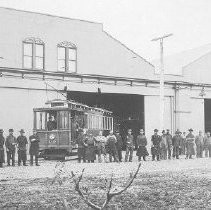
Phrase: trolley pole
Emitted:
{"points": [[162, 94]]}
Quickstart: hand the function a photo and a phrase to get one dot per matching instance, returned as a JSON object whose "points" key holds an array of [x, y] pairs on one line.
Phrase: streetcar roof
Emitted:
{"points": [[58, 104]]}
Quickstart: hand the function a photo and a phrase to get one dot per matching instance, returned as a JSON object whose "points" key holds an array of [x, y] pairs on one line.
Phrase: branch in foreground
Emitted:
{"points": [[109, 194]]}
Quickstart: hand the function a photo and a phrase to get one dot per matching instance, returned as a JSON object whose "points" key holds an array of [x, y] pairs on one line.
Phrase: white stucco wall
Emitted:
{"points": [[97, 52], [16, 104], [199, 70], [190, 111], [152, 116]]}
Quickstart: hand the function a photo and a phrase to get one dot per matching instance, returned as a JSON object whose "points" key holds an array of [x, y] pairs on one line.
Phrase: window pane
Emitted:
{"points": [[39, 63], [72, 54], [27, 62], [40, 120], [39, 50], [27, 49], [72, 66], [63, 120], [61, 53], [61, 65]]}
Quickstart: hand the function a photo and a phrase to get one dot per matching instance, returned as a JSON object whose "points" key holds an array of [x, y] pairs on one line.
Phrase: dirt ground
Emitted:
{"points": [[174, 184]]}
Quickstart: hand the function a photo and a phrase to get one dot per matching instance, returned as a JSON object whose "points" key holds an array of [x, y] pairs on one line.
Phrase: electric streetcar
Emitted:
{"points": [[57, 126]]}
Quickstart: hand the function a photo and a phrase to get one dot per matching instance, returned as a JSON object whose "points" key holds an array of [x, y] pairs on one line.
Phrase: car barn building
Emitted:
{"points": [[47, 57]]}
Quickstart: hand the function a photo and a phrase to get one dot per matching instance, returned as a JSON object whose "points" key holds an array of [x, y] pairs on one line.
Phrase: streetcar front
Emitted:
{"points": [[53, 126]]}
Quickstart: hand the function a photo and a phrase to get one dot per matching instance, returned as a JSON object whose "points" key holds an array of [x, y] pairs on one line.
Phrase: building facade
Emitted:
{"points": [[47, 57]]}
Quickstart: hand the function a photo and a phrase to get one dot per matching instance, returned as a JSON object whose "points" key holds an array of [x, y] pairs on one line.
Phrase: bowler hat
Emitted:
{"points": [[156, 130], [129, 130], [163, 131], [1, 130], [190, 129], [141, 130], [11, 130], [22, 131]]}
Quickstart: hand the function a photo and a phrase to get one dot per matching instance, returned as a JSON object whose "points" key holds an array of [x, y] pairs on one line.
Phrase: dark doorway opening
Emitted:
{"points": [[207, 114], [128, 109]]}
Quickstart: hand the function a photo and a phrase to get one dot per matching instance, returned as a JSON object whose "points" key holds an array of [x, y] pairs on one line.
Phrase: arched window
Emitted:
{"points": [[67, 57], [33, 53]]}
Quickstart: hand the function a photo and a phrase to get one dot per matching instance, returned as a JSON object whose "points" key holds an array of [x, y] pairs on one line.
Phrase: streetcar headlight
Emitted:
{"points": [[52, 137]]}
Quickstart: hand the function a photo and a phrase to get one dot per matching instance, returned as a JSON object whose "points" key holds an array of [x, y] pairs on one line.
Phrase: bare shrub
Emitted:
{"points": [[77, 179]]}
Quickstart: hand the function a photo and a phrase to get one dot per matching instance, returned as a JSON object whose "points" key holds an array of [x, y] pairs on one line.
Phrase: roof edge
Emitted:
{"points": [[195, 60], [50, 15], [127, 48]]}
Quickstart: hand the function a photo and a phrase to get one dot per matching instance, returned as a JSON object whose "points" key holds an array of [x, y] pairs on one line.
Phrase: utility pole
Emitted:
{"points": [[162, 95]]}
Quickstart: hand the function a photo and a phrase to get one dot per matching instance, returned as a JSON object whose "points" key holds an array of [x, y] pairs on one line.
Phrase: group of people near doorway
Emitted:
{"points": [[163, 146], [11, 143], [168, 146]]}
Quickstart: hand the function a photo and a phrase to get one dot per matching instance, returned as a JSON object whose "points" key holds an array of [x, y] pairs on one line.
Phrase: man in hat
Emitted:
{"points": [[111, 143], [199, 144], [119, 145], [169, 143], [155, 149], [129, 146], [183, 143], [190, 144], [2, 140], [141, 142], [51, 124], [81, 146], [34, 148], [163, 146], [176, 142], [100, 142], [10, 143], [207, 145], [22, 142]]}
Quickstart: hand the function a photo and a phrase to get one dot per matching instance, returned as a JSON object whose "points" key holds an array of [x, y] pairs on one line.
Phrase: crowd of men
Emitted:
{"points": [[11, 143], [90, 147], [163, 146]]}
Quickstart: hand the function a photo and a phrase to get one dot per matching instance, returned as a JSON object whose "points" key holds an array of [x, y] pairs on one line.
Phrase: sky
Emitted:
{"points": [[136, 22]]}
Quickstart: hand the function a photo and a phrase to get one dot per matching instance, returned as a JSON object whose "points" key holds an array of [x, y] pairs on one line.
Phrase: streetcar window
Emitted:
{"points": [[51, 120], [40, 120], [63, 120], [98, 122], [86, 121]]}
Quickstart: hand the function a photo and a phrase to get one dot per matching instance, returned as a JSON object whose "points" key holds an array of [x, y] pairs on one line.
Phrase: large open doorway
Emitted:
{"points": [[128, 109], [207, 115]]}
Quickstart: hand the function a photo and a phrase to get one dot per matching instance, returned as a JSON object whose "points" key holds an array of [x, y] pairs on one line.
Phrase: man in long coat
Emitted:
{"points": [[2, 140], [190, 144], [207, 145], [155, 149], [10, 144], [81, 146], [169, 143], [199, 140], [176, 142], [90, 148], [141, 142], [100, 142], [129, 146], [22, 142], [183, 144], [163, 146], [119, 145], [111, 143], [34, 148]]}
